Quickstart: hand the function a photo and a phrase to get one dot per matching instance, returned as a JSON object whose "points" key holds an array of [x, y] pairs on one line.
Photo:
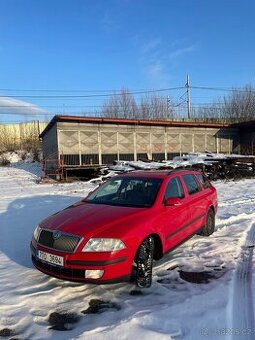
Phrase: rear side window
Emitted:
{"points": [[205, 182], [191, 184], [174, 189]]}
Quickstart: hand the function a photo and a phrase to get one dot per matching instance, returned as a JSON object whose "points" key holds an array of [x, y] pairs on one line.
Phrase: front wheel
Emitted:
{"points": [[209, 225], [144, 262]]}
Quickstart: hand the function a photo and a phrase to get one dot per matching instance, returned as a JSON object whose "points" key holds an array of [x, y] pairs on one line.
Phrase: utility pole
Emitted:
{"points": [[187, 85]]}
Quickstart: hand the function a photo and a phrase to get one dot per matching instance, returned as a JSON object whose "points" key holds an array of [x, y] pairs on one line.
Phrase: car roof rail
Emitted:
{"points": [[185, 168]]}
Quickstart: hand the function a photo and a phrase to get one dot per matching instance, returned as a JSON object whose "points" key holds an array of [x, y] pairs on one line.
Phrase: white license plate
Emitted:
{"points": [[51, 258]]}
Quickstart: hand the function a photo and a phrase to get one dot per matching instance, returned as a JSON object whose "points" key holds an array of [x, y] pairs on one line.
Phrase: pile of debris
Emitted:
{"points": [[215, 166]]}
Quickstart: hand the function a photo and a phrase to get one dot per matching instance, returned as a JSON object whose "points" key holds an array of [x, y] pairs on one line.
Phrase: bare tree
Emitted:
{"points": [[213, 112], [238, 105], [156, 107], [124, 105]]}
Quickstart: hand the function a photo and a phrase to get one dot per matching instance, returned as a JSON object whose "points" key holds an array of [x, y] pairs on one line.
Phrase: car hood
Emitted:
{"points": [[82, 218]]}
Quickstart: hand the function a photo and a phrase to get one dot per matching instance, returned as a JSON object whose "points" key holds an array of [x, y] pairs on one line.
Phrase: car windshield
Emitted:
{"points": [[127, 192]]}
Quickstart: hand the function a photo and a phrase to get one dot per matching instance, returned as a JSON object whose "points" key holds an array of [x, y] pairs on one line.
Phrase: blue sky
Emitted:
{"points": [[137, 44]]}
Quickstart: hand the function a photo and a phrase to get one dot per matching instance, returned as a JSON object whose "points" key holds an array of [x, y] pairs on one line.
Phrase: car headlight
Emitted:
{"points": [[37, 232], [103, 244]]}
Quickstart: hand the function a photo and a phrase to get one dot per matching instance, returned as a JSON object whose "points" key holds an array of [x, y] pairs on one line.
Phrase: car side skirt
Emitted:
{"points": [[183, 241], [185, 226]]}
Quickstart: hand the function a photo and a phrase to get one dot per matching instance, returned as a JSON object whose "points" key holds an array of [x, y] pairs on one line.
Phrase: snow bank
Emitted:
{"points": [[25, 161]]}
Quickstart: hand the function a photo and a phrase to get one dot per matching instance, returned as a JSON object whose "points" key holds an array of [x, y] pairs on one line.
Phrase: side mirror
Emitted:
{"points": [[173, 201]]}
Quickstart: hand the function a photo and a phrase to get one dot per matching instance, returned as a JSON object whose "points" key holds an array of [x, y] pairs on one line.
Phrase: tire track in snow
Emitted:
{"points": [[243, 325], [237, 201], [220, 223]]}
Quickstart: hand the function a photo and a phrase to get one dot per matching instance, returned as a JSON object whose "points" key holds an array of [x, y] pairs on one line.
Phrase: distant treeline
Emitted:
{"points": [[237, 105]]}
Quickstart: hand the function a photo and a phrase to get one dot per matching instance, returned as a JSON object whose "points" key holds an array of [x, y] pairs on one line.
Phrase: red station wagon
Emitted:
{"points": [[117, 231]]}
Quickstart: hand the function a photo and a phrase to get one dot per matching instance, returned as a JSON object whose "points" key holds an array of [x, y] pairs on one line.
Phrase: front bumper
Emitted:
{"points": [[115, 269]]}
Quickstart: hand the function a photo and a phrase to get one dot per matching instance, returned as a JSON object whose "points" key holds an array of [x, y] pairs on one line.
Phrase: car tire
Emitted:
{"points": [[209, 225], [144, 263]]}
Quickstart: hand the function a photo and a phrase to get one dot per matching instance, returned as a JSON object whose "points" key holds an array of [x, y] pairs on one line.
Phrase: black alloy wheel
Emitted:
{"points": [[209, 225], [144, 263]]}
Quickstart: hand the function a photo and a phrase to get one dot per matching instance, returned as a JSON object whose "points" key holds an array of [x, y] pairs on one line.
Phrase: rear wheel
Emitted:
{"points": [[209, 225], [144, 262]]}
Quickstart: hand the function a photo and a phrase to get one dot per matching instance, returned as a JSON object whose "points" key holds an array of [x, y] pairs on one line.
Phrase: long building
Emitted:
{"points": [[83, 142]]}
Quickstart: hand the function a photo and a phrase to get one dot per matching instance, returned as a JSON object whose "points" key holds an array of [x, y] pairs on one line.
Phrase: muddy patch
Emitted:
{"points": [[201, 277], [135, 292], [97, 306], [62, 321], [6, 332]]}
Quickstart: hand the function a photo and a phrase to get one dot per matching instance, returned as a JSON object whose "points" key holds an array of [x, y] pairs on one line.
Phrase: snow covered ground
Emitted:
{"points": [[182, 303]]}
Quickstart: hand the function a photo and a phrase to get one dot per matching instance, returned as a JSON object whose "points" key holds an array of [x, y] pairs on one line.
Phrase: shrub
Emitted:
{"points": [[4, 161], [36, 154], [23, 156]]}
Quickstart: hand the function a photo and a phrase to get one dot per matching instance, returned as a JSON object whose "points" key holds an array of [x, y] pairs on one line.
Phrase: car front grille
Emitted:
{"points": [[64, 242]]}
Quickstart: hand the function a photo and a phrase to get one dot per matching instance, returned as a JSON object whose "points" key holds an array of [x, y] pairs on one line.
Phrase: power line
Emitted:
{"points": [[113, 91], [61, 90], [103, 92], [74, 106], [101, 109], [93, 95], [138, 106], [222, 89]]}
